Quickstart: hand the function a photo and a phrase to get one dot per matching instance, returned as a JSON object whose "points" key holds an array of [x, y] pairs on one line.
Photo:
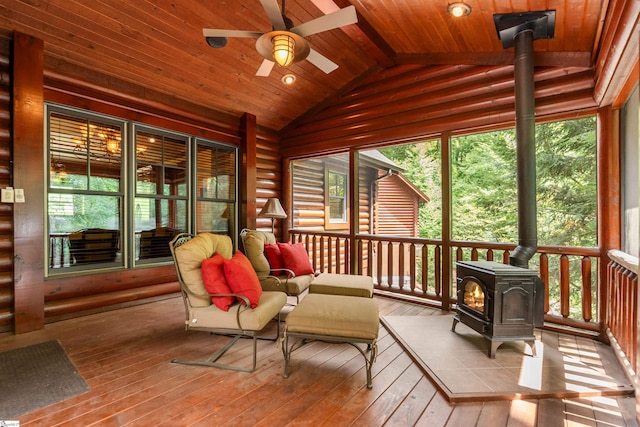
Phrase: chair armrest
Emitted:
{"points": [[207, 294], [290, 273]]}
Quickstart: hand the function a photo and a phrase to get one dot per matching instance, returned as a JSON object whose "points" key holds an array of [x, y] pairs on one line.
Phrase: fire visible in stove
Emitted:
{"points": [[474, 296], [499, 301]]}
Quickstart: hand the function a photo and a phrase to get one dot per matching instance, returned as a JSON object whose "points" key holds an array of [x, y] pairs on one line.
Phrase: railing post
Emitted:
{"points": [[445, 266]]}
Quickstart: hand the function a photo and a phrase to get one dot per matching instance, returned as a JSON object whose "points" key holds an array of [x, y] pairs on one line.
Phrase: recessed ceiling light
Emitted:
{"points": [[288, 79], [459, 9]]}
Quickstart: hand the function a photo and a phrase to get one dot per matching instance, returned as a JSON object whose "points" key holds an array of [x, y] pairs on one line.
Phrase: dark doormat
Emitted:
{"points": [[36, 376]]}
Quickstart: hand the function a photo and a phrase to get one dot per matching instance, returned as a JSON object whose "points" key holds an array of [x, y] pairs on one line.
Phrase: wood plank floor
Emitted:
{"points": [[124, 357]]}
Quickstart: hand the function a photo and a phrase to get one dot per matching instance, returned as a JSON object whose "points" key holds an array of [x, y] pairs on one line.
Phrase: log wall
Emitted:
{"points": [[396, 211], [410, 101], [6, 210]]}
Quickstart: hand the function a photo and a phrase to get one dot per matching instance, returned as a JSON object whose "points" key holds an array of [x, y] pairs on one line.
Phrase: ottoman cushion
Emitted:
{"points": [[336, 316], [342, 284]]}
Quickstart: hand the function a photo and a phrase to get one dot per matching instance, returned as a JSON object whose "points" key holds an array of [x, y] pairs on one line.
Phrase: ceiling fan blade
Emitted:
{"points": [[274, 13], [208, 32], [265, 68], [321, 61], [336, 19]]}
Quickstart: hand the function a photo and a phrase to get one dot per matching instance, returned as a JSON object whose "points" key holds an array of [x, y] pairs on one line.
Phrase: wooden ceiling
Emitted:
{"points": [[158, 45]]}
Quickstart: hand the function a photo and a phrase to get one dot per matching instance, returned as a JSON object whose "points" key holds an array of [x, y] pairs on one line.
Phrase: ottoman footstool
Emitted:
{"points": [[335, 319], [342, 284]]}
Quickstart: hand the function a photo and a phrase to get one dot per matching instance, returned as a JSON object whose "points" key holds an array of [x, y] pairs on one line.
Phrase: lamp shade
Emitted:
{"points": [[272, 209]]}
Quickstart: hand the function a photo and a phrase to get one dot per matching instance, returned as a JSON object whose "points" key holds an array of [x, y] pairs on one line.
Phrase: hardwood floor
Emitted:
{"points": [[124, 356]]}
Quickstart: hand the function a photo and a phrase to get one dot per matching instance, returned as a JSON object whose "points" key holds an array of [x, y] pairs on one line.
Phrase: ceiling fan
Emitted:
{"points": [[285, 44]]}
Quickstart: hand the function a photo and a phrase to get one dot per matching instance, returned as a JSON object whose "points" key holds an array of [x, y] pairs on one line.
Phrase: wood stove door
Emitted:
{"points": [[514, 304]]}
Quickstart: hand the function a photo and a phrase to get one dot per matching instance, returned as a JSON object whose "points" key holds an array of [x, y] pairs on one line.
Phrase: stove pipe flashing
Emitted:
{"points": [[520, 30]]}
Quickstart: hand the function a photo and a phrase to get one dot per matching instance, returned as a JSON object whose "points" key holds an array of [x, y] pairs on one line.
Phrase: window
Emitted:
{"points": [[337, 194], [95, 221], [161, 191], [216, 182], [85, 193]]}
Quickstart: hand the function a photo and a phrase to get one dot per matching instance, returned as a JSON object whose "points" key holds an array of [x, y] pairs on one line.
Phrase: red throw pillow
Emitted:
{"points": [[272, 252], [295, 258], [215, 281], [242, 278]]}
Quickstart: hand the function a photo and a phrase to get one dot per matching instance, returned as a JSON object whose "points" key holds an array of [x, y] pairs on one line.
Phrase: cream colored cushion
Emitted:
{"points": [[342, 284], [189, 257], [255, 319], [335, 316], [254, 242], [292, 286]]}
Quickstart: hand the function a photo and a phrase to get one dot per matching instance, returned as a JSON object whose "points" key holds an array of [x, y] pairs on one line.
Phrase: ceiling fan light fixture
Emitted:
{"points": [[459, 9], [283, 49]]}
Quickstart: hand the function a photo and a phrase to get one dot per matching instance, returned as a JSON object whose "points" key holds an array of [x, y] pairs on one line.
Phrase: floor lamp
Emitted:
{"points": [[272, 209]]}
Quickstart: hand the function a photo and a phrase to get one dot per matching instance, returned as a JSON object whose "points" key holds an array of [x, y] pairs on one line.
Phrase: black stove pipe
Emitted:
{"points": [[525, 150]]}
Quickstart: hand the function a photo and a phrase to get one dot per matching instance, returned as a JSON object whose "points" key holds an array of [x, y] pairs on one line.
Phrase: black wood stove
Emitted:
{"points": [[501, 302]]}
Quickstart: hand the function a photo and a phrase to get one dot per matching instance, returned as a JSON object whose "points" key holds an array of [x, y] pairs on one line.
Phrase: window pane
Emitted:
{"points": [[175, 161], [215, 217], [216, 173], [83, 229], [77, 146], [156, 222], [161, 165], [216, 176]]}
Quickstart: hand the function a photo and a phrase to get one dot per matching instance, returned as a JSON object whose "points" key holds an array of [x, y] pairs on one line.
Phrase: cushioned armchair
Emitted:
{"points": [[235, 312], [272, 278]]}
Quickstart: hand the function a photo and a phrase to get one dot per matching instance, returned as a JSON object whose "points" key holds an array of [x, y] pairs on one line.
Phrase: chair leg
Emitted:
{"points": [[211, 362]]}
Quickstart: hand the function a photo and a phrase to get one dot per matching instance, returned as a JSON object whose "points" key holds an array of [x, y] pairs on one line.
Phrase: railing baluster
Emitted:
{"points": [[425, 269], [564, 286], [347, 259], [379, 263], [412, 266], [544, 276], [390, 264], [586, 289], [338, 252], [401, 265], [437, 270], [474, 254], [489, 255]]}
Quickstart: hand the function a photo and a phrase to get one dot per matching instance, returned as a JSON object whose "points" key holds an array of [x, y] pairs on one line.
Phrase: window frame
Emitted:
{"points": [[329, 222]]}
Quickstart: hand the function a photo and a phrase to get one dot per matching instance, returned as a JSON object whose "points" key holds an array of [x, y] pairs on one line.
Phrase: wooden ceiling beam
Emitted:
{"points": [[363, 34], [542, 59]]}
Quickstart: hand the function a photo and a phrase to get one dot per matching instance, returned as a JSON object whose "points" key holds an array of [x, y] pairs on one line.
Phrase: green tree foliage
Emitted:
{"points": [[484, 188]]}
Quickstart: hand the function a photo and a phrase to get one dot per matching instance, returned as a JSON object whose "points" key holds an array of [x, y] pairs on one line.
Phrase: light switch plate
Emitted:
{"points": [[6, 195], [19, 195]]}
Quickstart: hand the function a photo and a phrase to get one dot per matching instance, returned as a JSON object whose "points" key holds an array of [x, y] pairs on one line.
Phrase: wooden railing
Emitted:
{"points": [[414, 267], [621, 319]]}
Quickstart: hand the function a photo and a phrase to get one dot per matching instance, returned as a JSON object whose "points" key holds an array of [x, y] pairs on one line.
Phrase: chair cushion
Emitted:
{"points": [[254, 242], [215, 281], [251, 320], [189, 257], [242, 278], [295, 258]]}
